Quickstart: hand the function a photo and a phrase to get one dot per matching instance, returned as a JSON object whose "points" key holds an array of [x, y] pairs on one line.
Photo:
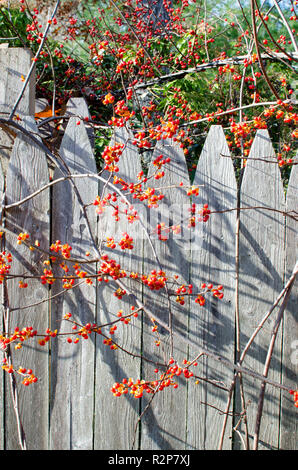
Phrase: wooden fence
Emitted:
{"points": [[71, 406]]}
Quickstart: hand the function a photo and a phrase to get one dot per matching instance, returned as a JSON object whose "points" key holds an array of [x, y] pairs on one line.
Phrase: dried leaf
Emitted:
{"points": [[47, 112]]}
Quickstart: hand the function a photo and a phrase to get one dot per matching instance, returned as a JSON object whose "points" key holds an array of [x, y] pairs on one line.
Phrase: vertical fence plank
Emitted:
{"points": [[289, 422], [72, 367], [115, 417], [213, 261], [2, 403], [14, 63], [164, 422], [27, 172], [261, 255]]}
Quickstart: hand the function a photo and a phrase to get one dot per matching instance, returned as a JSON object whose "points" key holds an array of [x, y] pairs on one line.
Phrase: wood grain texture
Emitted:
{"points": [[213, 261], [27, 172], [164, 423], [14, 63], [115, 417], [2, 329], [289, 423], [261, 254], [72, 365]]}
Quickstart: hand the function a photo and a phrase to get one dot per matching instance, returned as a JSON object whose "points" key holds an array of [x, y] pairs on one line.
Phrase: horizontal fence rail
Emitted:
{"points": [[249, 245]]}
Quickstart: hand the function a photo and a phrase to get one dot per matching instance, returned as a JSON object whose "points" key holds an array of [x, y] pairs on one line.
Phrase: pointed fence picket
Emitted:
{"points": [[71, 405], [115, 420], [72, 368], [164, 422], [261, 276], [213, 261], [289, 422]]}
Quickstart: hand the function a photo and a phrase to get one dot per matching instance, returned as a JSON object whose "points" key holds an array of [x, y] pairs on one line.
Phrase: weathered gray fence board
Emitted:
{"points": [[164, 424], [289, 422], [72, 365], [261, 254], [115, 417], [27, 172], [14, 63], [213, 261], [2, 328]]}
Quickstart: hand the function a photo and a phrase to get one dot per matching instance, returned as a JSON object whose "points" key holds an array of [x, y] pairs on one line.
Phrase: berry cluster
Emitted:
{"points": [[29, 377], [156, 280], [204, 214], [84, 331], [216, 292], [47, 277], [193, 191], [111, 155], [22, 237], [64, 249], [5, 265], [295, 397], [108, 99], [126, 242], [138, 387], [165, 380], [49, 334], [18, 336], [110, 267]]}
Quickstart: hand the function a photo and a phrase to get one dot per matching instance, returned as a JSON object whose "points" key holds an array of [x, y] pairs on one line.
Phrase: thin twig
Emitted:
{"points": [[269, 33], [255, 34], [287, 26], [268, 361], [238, 60], [234, 110], [12, 380], [44, 37], [237, 313]]}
